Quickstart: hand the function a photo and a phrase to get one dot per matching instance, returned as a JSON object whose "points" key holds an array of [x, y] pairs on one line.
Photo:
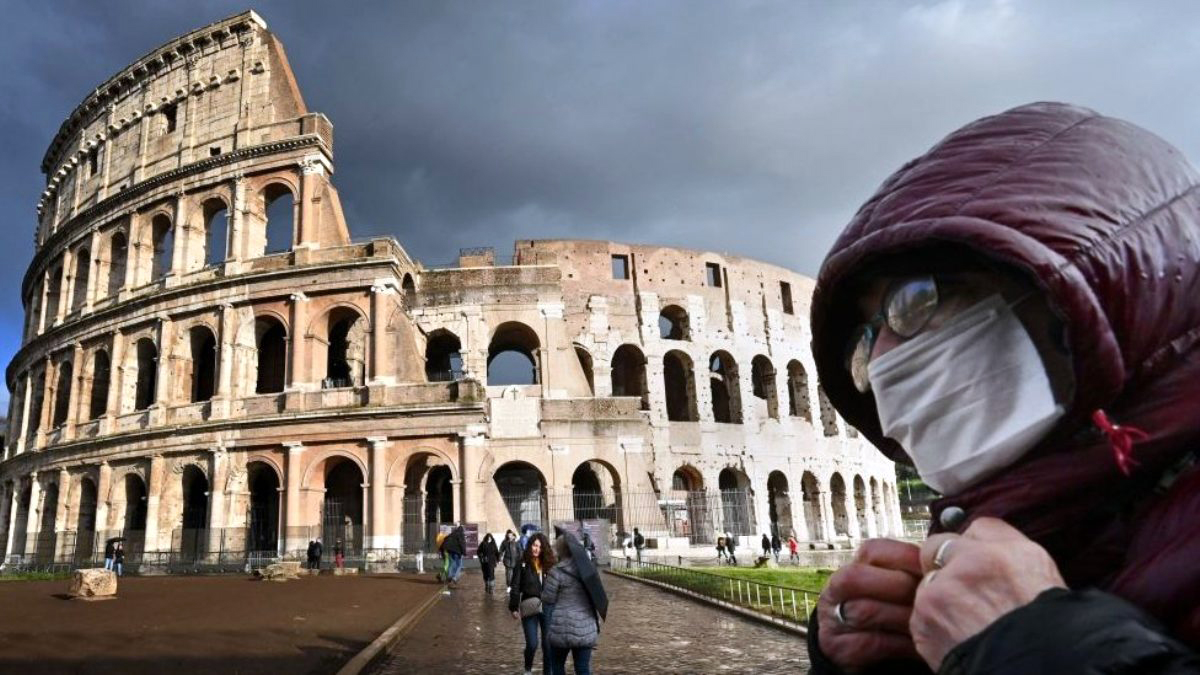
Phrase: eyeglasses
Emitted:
{"points": [[907, 307]]}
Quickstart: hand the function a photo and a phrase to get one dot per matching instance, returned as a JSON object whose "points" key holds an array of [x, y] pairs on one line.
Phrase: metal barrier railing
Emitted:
{"points": [[792, 605]]}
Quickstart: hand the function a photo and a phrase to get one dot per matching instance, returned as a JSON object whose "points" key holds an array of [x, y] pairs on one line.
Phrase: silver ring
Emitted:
{"points": [[929, 577], [939, 558], [840, 616]]}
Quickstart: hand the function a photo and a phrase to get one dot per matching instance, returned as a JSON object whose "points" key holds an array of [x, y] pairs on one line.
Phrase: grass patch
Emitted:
{"points": [[799, 578], [35, 576], [714, 582]]}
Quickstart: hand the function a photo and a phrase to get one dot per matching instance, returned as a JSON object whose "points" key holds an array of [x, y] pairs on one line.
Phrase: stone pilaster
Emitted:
{"points": [[382, 534], [295, 538]]}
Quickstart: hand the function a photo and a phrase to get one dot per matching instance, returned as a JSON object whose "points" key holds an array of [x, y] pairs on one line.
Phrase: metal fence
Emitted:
{"points": [[791, 605]]}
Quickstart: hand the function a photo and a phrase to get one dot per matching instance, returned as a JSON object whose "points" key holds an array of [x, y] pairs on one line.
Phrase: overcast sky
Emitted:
{"points": [[755, 128]]}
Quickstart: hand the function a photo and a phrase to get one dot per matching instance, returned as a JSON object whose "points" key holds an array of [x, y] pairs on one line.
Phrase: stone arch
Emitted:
{"points": [[628, 374], [263, 481], [877, 509], [62, 393], [522, 488], [142, 362], [596, 492], [100, 376], [587, 366], [83, 270], [798, 401], [762, 375], [397, 472], [674, 323], [513, 355], [737, 515], [428, 477], [192, 526], [162, 245], [860, 505], [688, 512], [339, 340], [679, 381], [194, 363], [726, 393], [214, 232], [88, 502], [54, 284], [320, 461], [280, 211], [342, 510], [779, 505], [118, 262], [837, 495], [47, 539], [443, 356], [811, 493], [828, 415], [271, 353]]}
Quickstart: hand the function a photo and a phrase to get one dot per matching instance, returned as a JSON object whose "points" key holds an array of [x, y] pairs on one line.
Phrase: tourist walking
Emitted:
{"points": [[639, 543], [766, 545], [339, 554], [730, 546], [793, 550], [510, 556], [109, 547], [488, 555], [455, 546], [310, 556], [525, 598], [776, 546], [721, 550], [119, 559], [317, 551], [573, 626]]}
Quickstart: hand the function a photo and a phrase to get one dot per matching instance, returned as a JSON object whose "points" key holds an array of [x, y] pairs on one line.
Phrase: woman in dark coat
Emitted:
{"points": [[527, 586], [1041, 261], [488, 556], [574, 626]]}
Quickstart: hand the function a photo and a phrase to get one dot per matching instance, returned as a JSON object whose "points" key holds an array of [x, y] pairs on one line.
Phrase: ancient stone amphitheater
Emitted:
{"points": [[215, 370]]}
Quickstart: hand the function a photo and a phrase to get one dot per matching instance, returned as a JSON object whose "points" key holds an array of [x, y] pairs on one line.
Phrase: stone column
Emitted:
{"points": [[14, 506], [47, 402], [828, 530], [380, 366], [456, 495], [116, 381], [298, 375], [25, 403], [471, 444], [35, 508], [311, 170], [103, 490], [134, 262], [295, 539], [76, 392], [7, 490], [382, 535], [852, 513], [180, 242], [64, 288], [155, 479], [873, 527], [162, 382], [217, 470], [237, 220], [225, 349], [89, 296], [62, 509]]}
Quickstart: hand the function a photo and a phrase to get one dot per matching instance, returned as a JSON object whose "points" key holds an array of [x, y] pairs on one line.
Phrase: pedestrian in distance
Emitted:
{"points": [[318, 550], [730, 548], [793, 550], [776, 546], [721, 559], [455, 547], [588, 544], [573, 626], [109, 547], [639, 543], [310, 556], [525, 599], [488, 556], [510, 556], [1015, 313], [119, 559], [766, 545], [339, 554]]}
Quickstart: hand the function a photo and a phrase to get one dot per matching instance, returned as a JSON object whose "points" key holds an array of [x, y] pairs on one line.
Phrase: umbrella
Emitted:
{"points": [[588, 575], [113, 539]]}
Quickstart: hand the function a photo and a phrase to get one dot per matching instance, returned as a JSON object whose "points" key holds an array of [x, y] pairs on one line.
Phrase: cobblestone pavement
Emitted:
{"points": [[648, 631]]}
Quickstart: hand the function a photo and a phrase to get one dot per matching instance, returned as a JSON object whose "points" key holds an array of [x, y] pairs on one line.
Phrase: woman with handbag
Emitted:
{"points": [[525, 599], [573, 627]]}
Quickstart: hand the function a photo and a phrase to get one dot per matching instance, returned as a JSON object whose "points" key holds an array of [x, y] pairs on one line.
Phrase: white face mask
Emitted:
{"points": [[966, 399]]}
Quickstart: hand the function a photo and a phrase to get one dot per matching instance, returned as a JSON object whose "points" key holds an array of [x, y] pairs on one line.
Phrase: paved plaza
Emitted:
{"points": [[648, 631]]}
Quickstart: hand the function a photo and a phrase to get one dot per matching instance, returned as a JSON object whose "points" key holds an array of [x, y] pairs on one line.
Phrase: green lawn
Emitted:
{"points": [[35, 576], [800, 578]]}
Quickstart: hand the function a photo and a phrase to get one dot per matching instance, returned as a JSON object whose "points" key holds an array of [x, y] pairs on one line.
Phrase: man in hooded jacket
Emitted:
{"points": [[1017, 313]]}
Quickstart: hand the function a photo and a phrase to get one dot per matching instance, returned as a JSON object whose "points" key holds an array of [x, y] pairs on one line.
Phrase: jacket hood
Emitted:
{"points": [[1101, 215]]}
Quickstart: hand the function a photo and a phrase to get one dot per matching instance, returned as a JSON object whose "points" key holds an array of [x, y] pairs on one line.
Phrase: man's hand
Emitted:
{"points": [[986, 573], [876, 594]]}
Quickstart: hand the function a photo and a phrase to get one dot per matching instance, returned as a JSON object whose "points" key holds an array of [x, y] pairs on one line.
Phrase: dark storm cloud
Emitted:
{"points": [[754, 127]]}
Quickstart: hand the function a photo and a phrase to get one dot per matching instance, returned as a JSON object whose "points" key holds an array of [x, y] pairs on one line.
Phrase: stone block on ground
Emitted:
{"points": [[93, 583], [278, 572], [343, 571]]}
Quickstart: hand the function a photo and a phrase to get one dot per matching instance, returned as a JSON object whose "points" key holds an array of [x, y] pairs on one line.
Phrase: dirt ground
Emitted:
{"points": [[201, 624]]}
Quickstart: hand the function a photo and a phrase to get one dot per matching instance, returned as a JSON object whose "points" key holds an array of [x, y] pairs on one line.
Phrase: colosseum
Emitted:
{"points": [[215, 370]]}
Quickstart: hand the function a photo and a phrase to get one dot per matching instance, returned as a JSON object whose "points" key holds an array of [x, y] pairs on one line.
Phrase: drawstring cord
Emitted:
{"points": [[1121, 439]]}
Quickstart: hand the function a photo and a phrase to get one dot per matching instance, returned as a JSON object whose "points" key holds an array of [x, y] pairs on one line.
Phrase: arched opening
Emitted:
{"points": [[216, 231], [135, 505], [523, 491], [409, 287], [443, 357], [736, 496], [428, 501], [828, 416], [47, 538], [279, 205], [147, 375], [762, 375], [512, 356], [837, 494], [596, 494], [585, 363], [83, 270], [21, 523], [36, 401], [860, 505], [202, 378], [673, 323], [270, 338], [798, 403], [85, 521], [62, 394], [629, 374], [877, 511], [345, 360], [780, 504], [811, 493], [688, 512], [118, 260], [342, 512], [723, 382], [162, 234], [439, 496], [101, 379], [680, 387], [53, 293], [264, 509], [194, 520]]}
